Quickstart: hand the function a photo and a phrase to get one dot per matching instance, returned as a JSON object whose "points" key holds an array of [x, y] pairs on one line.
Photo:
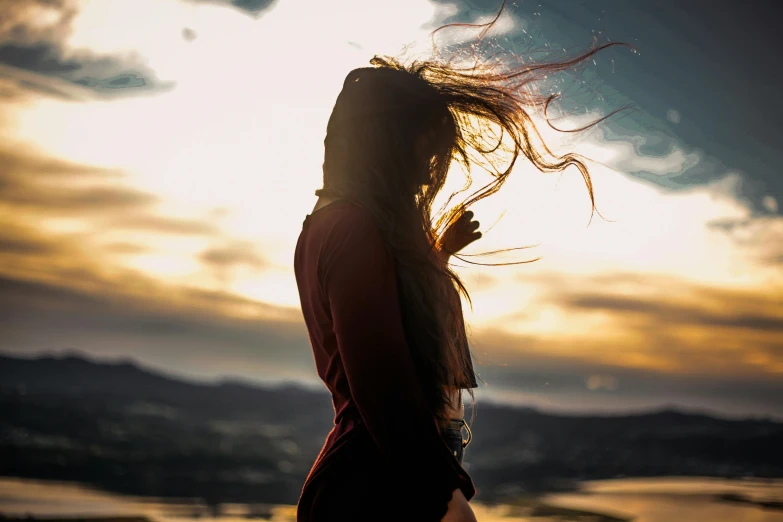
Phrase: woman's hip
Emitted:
{"points": [[452, 435]]}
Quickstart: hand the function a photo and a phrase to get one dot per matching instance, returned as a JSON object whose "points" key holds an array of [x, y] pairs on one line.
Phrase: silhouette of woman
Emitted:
{"points": [[380, 302]]}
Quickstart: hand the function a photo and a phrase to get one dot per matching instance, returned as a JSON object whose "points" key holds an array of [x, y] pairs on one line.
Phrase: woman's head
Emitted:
{"points": [[389, 133], [393, 133]]}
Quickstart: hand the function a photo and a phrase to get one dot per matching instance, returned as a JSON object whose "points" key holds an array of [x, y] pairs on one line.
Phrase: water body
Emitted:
{"points": [[670, 499], [648, 500]]}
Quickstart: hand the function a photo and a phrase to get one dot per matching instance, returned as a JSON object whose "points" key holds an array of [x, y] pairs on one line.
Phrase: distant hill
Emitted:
{"points": [[124, 428], [126, 381]]}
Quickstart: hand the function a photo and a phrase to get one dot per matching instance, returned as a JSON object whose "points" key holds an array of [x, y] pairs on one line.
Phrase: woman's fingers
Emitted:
{"points": [[461, 233]]}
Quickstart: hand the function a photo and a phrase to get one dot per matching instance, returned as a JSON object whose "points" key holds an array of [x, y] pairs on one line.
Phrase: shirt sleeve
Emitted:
{"points": [[361, 287]]}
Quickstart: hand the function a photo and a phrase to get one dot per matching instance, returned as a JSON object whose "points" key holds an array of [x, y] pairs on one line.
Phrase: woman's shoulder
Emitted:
{"points": [[347, 228], [344, 216]]}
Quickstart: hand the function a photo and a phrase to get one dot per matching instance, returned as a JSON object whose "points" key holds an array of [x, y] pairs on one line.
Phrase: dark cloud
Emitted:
{"points": [[55, 188], [224, 259], [39, 185], [25, 246], [673, 341], [180, 330], [251, 7], [41, 58], [555, 375], [695, 58], [775, 260], [102, 75], [212, 300], [29, 47], [664, 312], [76, 201], [33, 186], [122, 81], [239, 254], [700, 305], [764, 233], [729, 225]]}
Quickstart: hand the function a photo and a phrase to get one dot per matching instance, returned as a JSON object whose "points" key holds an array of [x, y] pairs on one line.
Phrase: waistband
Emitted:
{"points": [[456, 425]]}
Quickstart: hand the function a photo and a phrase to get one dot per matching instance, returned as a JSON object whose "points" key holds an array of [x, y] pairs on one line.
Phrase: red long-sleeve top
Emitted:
{"points": [[384, 458]]}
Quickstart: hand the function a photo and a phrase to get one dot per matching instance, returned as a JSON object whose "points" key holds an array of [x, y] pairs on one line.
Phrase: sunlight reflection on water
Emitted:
{"points": [[47, 499], [649, 500], [668, 499]]}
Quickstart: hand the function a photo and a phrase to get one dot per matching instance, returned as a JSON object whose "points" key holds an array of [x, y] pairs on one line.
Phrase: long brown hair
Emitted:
{"points": [[370, 158]]}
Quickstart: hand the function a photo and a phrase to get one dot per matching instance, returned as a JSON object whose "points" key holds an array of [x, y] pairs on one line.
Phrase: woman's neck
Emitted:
{"points": [[322, 202]]}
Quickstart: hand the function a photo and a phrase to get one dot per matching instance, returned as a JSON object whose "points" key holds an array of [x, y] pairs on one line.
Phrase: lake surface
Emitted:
{"points": [[672, 499], [647, 500]]}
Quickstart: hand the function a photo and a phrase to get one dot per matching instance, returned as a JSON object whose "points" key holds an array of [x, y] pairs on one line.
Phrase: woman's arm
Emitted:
{"points": [[360, 284], [459, 509]]}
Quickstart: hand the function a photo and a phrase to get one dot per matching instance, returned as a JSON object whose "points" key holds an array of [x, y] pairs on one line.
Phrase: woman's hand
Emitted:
{"points": [[460, 234], [459, 509]]}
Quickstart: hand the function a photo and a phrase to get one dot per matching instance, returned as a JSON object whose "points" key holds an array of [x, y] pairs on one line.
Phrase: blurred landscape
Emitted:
{"points": [[124, 429], [157, 160]]}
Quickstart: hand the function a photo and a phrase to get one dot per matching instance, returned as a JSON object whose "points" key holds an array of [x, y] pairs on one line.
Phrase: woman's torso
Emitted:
{"points": [[456, 409]]}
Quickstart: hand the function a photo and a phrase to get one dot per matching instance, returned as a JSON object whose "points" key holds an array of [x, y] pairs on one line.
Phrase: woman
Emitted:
{"points": [[379, 300]]}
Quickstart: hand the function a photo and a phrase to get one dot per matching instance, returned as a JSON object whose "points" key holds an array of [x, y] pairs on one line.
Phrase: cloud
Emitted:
{"points": [[163, 227], [177, 330], [226, 259], [41, 58], [168, 328], [32, 21], [702, 314], [610, 322], [93, 199], [18, 85], [557, 374], [250, 7], [88, 217], [25, 163], [762, 235], [34, 38], [14, 243], [104, 75], [238, 254], [599, 382], [52, 186]]}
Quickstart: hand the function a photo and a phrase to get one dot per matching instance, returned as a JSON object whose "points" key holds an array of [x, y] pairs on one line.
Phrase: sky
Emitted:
{"points": [[157, 159]]}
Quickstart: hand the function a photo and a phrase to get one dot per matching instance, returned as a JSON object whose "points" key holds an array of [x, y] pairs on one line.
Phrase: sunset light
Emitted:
{"points": [[197, 183]]}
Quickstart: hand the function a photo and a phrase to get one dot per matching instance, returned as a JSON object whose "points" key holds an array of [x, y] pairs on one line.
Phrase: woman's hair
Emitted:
{"points": [[466, 114]]}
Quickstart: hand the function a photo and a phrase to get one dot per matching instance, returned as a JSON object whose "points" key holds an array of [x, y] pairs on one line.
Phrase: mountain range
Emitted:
{"points": [[125, 428]]}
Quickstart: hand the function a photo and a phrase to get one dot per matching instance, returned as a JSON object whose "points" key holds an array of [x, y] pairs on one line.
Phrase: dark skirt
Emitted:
{"points": [[354, 490]]}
